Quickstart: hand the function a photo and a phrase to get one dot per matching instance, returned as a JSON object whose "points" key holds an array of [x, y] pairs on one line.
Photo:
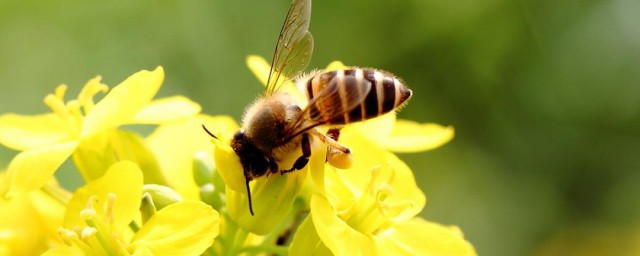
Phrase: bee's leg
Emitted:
{"points": [[334, 133], [331, 143], [338, 155], [302, 161]]}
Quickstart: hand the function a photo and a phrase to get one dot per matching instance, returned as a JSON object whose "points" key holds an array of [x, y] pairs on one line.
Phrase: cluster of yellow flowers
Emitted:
{"points": [[164, 194]]}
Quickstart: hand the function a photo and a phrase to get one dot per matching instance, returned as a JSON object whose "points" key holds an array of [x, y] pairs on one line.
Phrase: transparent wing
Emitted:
{"points": [[294, 46], [333, 102]]}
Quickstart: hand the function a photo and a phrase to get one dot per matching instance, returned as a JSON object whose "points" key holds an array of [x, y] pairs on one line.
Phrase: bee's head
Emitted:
{"points": [[254, 162]]}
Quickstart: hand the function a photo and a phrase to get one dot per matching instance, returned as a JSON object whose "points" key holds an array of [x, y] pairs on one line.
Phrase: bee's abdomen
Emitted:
{"points": [[386, 94]]}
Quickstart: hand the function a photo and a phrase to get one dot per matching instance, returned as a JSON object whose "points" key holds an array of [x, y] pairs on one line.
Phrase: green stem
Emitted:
{"points": [[225, 239], [237, 244], [288, 223], [103, 241], [211, 251]]}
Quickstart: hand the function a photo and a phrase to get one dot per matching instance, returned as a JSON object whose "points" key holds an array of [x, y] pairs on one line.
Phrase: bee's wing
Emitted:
{"points": [[294, 46], [334, 101]]}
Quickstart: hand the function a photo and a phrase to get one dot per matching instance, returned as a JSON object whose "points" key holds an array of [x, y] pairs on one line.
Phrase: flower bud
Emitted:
{"points": [[161, 195], [202, 168]]}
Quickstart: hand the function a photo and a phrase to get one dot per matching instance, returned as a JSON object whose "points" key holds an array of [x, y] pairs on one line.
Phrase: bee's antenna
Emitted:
{"points": [[207, 130], [249, 196]]}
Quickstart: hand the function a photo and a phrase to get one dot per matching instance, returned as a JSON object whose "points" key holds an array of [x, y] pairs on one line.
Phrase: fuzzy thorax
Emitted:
{"points": [[265, 124]]}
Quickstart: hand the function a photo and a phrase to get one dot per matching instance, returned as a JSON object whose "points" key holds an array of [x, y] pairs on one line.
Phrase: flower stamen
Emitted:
{"points": [[93, 87], [57, 106]]}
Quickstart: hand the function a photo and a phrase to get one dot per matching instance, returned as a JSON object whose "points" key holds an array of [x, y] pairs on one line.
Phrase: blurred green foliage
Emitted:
{"points": [[544, 95]]}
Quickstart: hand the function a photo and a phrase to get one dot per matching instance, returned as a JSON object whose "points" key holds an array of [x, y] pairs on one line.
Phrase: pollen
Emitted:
{"points": [[339, 159]]}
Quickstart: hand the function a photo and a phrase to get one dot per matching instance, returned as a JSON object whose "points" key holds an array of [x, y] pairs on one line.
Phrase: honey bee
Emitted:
{"points": [[275, 126]]}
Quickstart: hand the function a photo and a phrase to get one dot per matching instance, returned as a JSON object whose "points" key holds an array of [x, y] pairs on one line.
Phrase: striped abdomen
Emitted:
{"points": [[344, 97]]}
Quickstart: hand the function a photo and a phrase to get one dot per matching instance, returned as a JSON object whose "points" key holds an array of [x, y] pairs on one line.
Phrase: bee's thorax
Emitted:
{"points": [[266, 120]]}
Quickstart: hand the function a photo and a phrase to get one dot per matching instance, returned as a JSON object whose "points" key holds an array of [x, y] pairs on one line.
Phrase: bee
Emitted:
{"points": [[275, 125]]}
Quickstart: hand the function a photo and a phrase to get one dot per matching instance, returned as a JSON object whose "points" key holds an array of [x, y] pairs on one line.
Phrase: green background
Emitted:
{"points": [[544, 95]]}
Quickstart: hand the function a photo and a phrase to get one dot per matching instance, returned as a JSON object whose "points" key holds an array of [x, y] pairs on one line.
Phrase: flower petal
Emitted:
{"points": [[21, 132], [420, 237], [23, 230], [123, 102], [272, 198], [95, 155], [183, 228], [229, 166], [408, 136], [405, 190], [306, 240], [367, 155], [338, 191], [259, 67], [336, 234], [124, 179], [49, 208], [317, 165], [30, 170], [166, 110], [375, 130], [64, 250], [176, 144], [227, 161], [98, 153]]}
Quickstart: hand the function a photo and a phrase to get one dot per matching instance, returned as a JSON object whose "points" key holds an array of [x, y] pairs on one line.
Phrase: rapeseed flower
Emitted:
{"points": [[371, 209], [88, 130], [29, 221], [176, 144], [164, 194], [100, 217]]}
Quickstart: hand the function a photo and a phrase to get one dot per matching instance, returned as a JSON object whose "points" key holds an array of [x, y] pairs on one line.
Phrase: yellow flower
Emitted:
{"points": [[370, 209], [100, 215], [28, 222], [175, 145], [88, 129]]}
